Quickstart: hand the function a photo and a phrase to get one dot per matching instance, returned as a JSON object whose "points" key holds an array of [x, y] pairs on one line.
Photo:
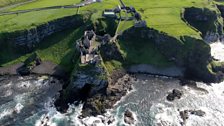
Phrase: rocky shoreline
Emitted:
{"points": [[172, 71], [45, 68], [97, 99]]}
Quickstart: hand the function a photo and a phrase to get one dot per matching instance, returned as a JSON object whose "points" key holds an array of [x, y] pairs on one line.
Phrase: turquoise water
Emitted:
{"points": [[147, 101]]}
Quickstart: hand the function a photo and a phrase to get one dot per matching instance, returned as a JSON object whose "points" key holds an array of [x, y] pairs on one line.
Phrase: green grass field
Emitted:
{"points": [[11, 23], [163, 15]]}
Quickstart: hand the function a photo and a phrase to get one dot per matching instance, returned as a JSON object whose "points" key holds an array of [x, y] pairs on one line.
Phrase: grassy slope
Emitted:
{"points": [[139, 51]]}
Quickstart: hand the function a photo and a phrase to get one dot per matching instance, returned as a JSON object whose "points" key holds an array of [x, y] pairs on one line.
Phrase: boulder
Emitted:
{"points": [[186, 113], [174, 94], [198, 112], [184, 82], [23, 71], [128, 117]]}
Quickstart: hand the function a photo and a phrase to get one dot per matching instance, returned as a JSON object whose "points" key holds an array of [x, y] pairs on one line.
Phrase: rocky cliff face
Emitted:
{"points": [[208, 22], [29, 38], [191, 53], [110, 51], [221, 9], [91, 76]]}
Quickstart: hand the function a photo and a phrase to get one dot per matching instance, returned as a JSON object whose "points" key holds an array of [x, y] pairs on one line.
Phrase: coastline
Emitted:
{"points": [[45, 68], [52, 69], [172, 71]]}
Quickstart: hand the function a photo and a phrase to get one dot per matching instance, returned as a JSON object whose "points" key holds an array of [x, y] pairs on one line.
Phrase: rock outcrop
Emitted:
{"points": [[110, 51], [186, 113], [221, 9], [29, 64], [92, 80], [129, 117], [97, 105], [174, 94], [208, 22]]}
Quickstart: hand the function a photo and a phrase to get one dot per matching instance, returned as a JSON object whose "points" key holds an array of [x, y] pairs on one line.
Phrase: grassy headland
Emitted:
{"points": [[164, 16]]}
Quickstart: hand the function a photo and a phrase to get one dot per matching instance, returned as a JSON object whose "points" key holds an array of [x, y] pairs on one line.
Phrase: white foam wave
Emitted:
{"points": [[5, 113], [217, 50]]}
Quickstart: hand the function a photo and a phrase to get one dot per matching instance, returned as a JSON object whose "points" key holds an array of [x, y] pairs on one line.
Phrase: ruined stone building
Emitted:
{"points": [[85, 46]]}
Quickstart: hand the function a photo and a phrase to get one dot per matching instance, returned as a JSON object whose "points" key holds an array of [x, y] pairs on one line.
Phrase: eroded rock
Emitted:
{"points": [[129, 117], [174, 94], [185, 114], [96, 105]]}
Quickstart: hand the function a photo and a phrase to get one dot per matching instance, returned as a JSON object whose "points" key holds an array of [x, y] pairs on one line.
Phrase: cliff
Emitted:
{"points": [[26, 40], [208, 21], [187, 52]]}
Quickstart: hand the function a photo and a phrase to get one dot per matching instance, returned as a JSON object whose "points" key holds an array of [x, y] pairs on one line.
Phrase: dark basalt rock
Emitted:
{"points": [[184, 82], [128, 117], [175, 94], [206, 21], [186, 113], [198, 112], [110, 52], [30, 63], [24, 71], [96, 105], [38, 61]]}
